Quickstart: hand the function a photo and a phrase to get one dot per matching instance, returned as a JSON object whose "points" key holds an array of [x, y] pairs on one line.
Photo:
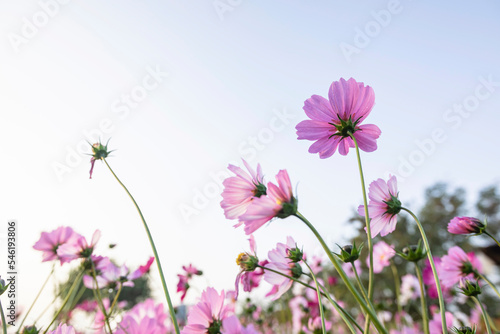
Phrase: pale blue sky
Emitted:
{"points": [[230, 80]]}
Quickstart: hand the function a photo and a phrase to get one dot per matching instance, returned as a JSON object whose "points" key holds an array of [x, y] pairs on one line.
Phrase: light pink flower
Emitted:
{"points": [[314, 326], [279, 261], [410, 289], [111, 276], [80, 248], [383, 207], [49, 242], [63, 329], [232, 325], [457, 265], [382, 253], [240, 190], [350, 102], [348, 268], [208, 314], [465, 225], [146, 317], [249, 274], [428, 278], [279, 202], [435, 325]]}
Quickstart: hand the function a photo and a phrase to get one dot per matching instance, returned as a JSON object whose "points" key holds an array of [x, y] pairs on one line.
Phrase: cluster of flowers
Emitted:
{"points": [[334, 124]]}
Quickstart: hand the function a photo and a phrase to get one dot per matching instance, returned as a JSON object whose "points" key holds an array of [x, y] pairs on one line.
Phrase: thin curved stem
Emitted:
{"points": [[115, 299], [99, 298], [318, 292], [4, 323], [361, 287], [489, 282], [423, 302], [70, 292], [492, 237], [343, 313], [434, 271], [162, 277], [368, 307], [36, 298], [485, 317], [367, 219], [397, 287]]}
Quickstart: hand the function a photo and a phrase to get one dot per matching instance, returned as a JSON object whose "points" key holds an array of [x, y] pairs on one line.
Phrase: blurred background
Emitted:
{"points": [[181, 89]]}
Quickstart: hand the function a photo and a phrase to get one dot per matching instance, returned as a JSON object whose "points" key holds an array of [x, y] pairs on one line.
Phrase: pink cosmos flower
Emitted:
{"points": [[383, 207], [348, 268], [428, 278], [80, 248], [207, 316], [146, 317], [279, 202], [410, 289], [63, 329], [382, 253], [240, 190], [232, 325], [465, 225], [279, 261], [249, 274], [111, 276], [49, 242], [457, 265], [350, 102], [314, 326], [435, 325]]}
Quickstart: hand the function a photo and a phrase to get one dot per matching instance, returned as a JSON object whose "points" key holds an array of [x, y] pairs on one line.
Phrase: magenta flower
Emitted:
{"points": [[80, 248], [142, 270], [207, 316], [330, 123], [50, 242], [465, 225], [457, 266], [240, 190], [183, 284], [248, 263], [383, 207], [428, 278], [382, 253], [279, 202], [279, 261], [435, 325], [63, 329]]}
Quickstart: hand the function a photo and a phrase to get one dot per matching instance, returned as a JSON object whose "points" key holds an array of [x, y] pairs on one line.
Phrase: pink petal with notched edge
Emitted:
{"points": [[318, 108], [367, 137]]}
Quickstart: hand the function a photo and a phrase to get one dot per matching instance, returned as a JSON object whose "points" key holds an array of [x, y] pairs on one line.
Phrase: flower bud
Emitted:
{"points": [[470, 288], [466, 225], [464, 330], [294, 254], [349, 253], [413, 253], [30, 330]]}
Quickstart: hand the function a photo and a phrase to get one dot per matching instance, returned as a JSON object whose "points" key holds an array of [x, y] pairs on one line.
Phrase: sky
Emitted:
{"points": [[182, 89]]}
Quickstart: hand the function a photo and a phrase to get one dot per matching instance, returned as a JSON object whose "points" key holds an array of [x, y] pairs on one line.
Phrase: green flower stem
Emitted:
{"points": [[4, 323], [318, 292], [343, 313], [488, 281], [434, 271], [367, 307], [485, 316], [492, 237], [157, 258], [361, 287], [423, 302], [367, 220], [36, 298], [70, 292], [115, 299], [99, 298], [397, 286]]}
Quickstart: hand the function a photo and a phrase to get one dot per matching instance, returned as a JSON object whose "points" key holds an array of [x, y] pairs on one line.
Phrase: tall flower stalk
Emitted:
{"points": [[423, 302], [366, 306], [157, 258], [442, 309]]}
